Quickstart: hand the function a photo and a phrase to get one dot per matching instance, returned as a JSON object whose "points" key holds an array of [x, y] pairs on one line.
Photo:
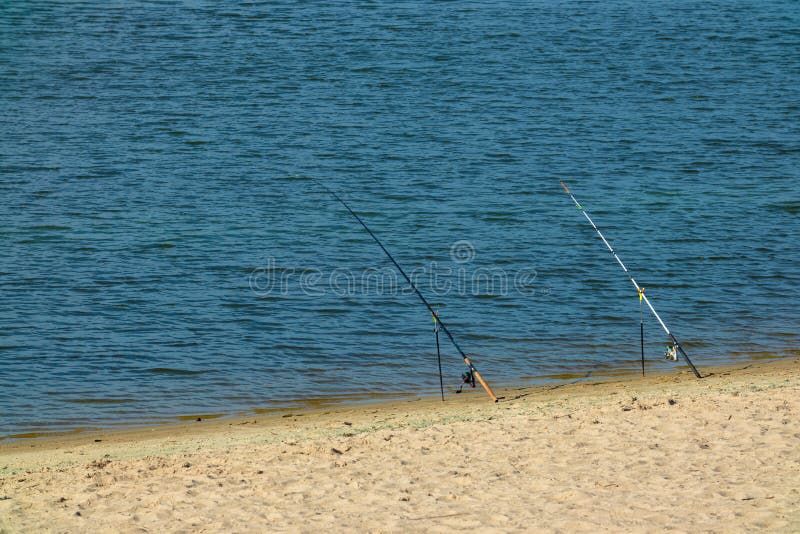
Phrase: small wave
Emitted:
{"points": [[792, 208], [158, 246], [333, 311], [292, 179], [502, 218], [171, 371], [237, 305], [502, 156], [51, 227], [100, 401]]}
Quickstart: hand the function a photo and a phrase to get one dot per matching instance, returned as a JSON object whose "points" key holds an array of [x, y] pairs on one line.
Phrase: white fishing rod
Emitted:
{"points": [[675, 344]]}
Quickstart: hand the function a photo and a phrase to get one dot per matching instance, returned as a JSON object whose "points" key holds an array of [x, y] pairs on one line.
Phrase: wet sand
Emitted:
{"points": [[668, 452]]}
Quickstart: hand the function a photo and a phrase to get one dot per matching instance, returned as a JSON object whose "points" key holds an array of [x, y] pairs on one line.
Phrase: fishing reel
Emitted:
{"points": [[467, 377], [672, 352]]}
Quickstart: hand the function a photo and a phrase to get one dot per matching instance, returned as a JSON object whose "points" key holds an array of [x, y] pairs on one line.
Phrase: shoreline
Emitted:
{"points": [[572, 456], [312, 405], [188, 425]]}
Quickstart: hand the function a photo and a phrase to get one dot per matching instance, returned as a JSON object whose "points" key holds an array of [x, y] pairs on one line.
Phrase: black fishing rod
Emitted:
{"points": [[675, 344], [443, 327]]}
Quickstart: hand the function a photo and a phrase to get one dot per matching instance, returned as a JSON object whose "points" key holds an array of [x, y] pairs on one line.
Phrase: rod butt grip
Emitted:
{"points": [[485, 386]]}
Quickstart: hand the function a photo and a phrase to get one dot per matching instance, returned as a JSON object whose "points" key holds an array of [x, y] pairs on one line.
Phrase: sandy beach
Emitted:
{"points": [[668, 452]]}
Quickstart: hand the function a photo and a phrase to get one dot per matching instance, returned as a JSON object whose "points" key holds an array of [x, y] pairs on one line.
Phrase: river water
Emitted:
{"points": [[164, 251]]}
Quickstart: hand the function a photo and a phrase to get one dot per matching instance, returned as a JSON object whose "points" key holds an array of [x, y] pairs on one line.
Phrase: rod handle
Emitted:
{"points": [[483, 383]]}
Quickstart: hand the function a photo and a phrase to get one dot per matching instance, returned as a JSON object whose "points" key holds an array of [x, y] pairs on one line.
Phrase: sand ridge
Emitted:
{"points": [[667, 452]]}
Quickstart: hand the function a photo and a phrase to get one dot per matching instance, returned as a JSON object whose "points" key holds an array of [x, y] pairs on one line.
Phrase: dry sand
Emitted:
{"points": [[670, 452]]}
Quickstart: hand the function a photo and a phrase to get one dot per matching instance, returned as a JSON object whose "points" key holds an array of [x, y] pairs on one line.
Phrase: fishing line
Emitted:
{"points": [[676, 346]]}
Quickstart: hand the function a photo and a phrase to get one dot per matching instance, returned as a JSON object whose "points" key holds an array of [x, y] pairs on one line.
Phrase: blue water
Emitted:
{"points": [[155, 165]]}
